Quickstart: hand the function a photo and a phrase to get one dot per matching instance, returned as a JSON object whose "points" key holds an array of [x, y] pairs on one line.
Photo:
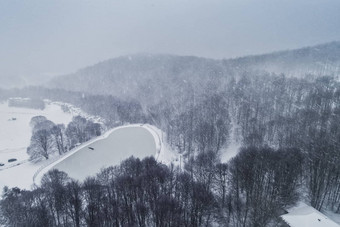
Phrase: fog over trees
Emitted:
{"points": [[283, 108]]}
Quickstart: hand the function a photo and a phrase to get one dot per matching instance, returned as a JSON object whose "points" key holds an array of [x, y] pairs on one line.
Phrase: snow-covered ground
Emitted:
{"points": [[138, 140], [15, 135], [109, 149], [23, 173], [334, 216], [164, 153], [230, 152], [234, 145], [303, 215]]}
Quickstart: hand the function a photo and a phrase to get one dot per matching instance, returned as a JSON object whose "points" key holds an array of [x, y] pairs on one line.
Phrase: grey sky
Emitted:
{"points": [[61, 36]]}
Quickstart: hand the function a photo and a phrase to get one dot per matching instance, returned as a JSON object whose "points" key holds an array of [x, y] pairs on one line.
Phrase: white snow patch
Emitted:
{"points": [[19, 176], [229, 153], [334, 216], [164, 153], [303, 215], [234, 147]]}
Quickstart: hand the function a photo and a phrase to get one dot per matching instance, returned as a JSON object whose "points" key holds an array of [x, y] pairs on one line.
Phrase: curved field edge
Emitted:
{"points": [[163, 153]]}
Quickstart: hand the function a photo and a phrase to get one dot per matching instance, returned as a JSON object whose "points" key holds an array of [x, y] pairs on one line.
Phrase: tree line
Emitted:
{"points": [[27, 103], [251, 190], [49, 138], [114, 110]]}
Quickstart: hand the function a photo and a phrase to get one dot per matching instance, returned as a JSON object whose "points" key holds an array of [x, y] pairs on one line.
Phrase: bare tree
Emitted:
{"points": [[58, 135], [41, 145]]}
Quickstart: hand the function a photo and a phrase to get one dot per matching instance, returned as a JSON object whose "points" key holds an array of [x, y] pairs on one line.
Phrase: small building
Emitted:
{"points": [[303, 215]]}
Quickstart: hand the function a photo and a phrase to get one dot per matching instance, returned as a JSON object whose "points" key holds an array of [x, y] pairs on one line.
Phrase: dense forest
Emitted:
{"points": [[252, 190], [287, 123]]}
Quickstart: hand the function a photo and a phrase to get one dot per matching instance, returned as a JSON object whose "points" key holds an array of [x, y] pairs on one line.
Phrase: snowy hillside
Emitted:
{"points": [[141, 76], [319, 60]]}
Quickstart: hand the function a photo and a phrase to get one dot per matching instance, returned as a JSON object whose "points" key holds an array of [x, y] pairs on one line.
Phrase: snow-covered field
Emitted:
{"points": [[109, 149], [15, 133], [117, 146]]}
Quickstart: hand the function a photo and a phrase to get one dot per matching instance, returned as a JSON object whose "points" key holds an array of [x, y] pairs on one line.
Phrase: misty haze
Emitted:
{"points": [[170, 113]]}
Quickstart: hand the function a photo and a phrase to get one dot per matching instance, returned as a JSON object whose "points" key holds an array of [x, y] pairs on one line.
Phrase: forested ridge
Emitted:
{"points": [[288, 126]]}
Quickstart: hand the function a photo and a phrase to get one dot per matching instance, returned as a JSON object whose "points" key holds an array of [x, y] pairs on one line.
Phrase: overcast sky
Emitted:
{"points": [[61, 36]]}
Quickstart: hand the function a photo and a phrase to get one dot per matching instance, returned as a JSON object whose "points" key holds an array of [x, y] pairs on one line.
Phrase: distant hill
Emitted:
{"points": [[317, 60], [144, 77]]}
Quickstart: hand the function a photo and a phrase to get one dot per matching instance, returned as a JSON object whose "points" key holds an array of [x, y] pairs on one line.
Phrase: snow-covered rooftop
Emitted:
{"points": [[303, 215]]}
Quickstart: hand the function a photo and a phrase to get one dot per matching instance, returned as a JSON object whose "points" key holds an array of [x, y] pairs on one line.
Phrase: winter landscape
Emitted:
{"points": [[170, 113]]}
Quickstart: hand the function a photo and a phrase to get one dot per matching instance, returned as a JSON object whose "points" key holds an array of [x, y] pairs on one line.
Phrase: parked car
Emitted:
{"points": [[12, 160]]}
